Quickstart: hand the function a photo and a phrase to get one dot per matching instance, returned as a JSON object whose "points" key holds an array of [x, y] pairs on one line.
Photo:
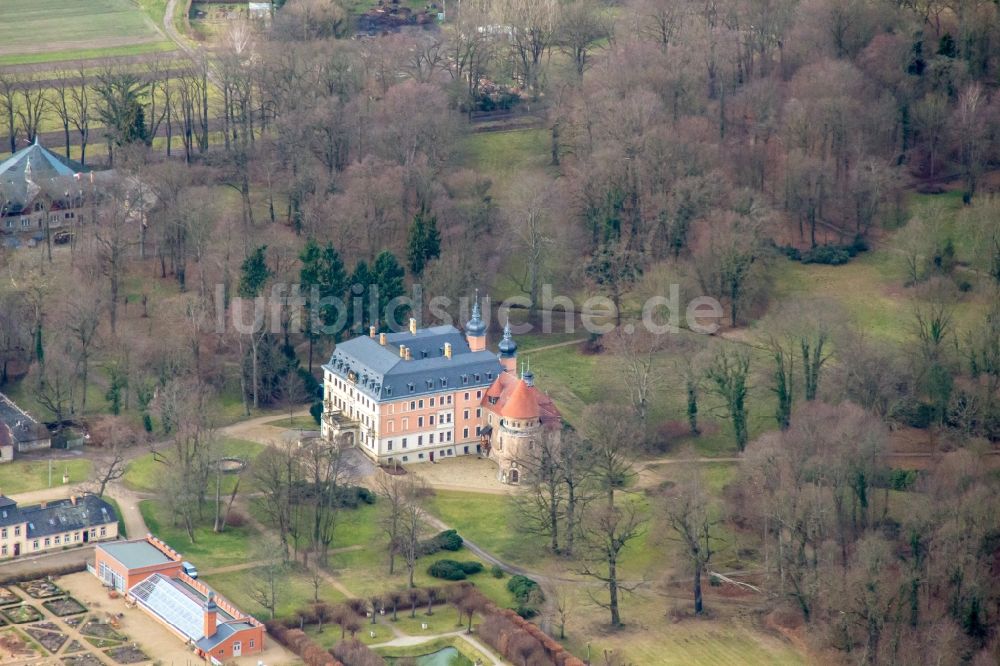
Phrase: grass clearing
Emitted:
{"points": [[295, 423], [209, 550], [52, 30], [143, 473], [296, 591], [21, 476]]}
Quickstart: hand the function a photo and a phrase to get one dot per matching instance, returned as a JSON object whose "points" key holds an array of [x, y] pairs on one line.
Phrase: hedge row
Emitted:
{"points": [[298, 642], [53, 572]]}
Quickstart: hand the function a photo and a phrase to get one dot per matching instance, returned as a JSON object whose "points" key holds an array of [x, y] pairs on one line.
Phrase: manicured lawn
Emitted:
{"points": [[295, 423], [209, 550], [144, 473], [47, 30], [21, 476]]}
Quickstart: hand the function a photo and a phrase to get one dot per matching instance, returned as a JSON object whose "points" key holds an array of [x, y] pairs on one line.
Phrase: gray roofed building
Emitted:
{"points": [[23, 431], [381, 372], [65, 515], [136, 554]]}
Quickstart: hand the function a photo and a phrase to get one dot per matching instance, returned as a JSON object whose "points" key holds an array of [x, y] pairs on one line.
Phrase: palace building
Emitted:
{"points": [[422, 395]]}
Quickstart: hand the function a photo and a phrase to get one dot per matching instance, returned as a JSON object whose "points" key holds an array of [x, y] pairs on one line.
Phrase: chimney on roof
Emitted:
{"points": [[211, 615], [409, 354], [413, 326], [447, 350], [371, 331], [402, 351], [72, 499], [381, 339]]}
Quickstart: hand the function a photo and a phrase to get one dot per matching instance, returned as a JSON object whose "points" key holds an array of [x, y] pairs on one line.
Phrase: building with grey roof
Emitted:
{"points": [[20, 430], [41, 190], [54, 525], [410, 396]]}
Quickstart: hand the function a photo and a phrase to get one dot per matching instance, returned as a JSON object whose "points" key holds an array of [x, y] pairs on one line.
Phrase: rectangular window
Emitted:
{"points": [[404, 442], [3, 550], [35, 544], [449, 399], [479, 412], [479, 394], [57, 540], [465, 414], [431, 421], [17, 531], [430, 438], [3, 533], [466, 395], [389, 445], [48, 542], [413, 405], [405, 458], [420, 440], [420, 422], [432, 402], [420, 403], [251, 643], [421, 456], [465, 434], [104, 531]]}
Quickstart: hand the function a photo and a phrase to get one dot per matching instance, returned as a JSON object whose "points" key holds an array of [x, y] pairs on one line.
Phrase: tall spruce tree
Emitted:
{"points": [[425, 241]]}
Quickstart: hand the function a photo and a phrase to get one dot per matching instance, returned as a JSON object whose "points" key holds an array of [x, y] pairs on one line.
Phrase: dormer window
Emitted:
{"points": [[477, 376], [410, 386], [444, 382], [388, 390], [465, 379]]}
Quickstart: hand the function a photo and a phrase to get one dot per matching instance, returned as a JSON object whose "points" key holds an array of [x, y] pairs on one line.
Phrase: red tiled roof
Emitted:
{"points": [[516, 399]]}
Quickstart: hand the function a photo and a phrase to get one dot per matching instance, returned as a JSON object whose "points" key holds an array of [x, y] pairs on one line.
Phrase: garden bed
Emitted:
{"points": [[97, 629], [13, 645], [21, 614], [75, 646], [127, 654], [82, 660], [8, 596], [50, 640], [64, 606], [41, 588]]}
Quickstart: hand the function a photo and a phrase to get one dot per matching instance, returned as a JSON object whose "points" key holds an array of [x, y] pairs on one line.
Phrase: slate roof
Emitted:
{"points": [[51, 174], [22, 427], [44, 163], [57, 516], [222, 632], [135, 554], [382, 374]]}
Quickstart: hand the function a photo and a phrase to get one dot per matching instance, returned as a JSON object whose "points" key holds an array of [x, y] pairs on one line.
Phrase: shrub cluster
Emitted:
{"points": [[355, 653], [527, 594], [831, 255], [454, 570], [448, 540], [347, 497]]}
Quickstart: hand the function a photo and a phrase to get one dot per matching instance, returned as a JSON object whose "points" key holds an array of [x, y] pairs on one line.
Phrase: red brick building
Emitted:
{"points": [[151, 574]]}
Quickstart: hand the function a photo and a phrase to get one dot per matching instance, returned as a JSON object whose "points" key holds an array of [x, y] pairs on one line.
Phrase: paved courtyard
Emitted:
{"points": [[148, 634], [461, 473]]}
